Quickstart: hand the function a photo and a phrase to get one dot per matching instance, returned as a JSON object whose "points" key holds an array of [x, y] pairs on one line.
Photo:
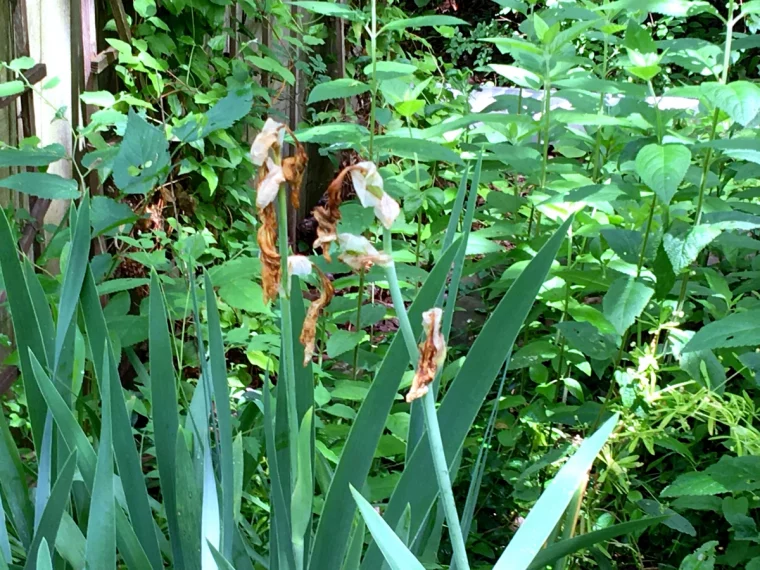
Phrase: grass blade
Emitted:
{"points": [[545, 514], [218, 377], [44, 468], [584, 541], [127, 460], [74, 276], [188, 506], [5, 544], [100, 550], [43, 557], [70, 542], [470, 388], [395, 551], [355, 547], [13, 484], [163, 392], [220, 561], [210, 522], [334, 526], [54, 509], [301, 504], [26, 328]]}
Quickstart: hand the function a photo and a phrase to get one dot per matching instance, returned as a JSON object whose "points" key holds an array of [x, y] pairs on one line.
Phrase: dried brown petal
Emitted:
{"points": [[327, 216], [432, 354], [309, 330], [294, 168], [270, 257]]}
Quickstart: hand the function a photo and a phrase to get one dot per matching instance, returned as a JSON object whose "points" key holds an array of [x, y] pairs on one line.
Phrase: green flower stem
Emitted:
{"points": [[357, 327], [373, 90], [431, 419], [287, 333]]}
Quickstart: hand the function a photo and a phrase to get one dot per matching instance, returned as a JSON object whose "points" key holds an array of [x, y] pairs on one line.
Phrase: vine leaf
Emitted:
{"points": [[142, 162]]}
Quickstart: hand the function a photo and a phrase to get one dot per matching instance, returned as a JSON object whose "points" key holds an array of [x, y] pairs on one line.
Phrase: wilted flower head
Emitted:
{"points": [[327, 216], [359, 254], [368, 185], [299, 265], [432, 354], [270, 137], [266, 193], [270, 257], [293, 167], [309, 330]]}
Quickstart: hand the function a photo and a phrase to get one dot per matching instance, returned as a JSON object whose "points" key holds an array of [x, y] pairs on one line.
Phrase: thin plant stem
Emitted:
{"points": [[431, 419], [357, 327], [546, 117], [373, 90], [287, 331], [571, 520], [642, 253]]}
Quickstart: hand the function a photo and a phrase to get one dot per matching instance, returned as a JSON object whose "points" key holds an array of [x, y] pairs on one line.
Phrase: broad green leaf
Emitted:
{"points": [[422, 22], [221, 396], [27, 156], [163, 399], [100, 549], [98, 98], [244, 294], [518, 75], [469, 389], [145, 8], [546, 513], [703, 558], [396, 554], [271, 64], [508, 45], [739, 148], [142, 162], [579, 543], [586, 337], [21, 63], [673, 519], [625, 300], [336, 89], [737, 329], [663, 167], [740, 99], [342, 341], [110, 217], [683, 250], [626, 243], [385, 70], [423, 150], [10, 88], [228, 110], [42, 185], [331, 9], [334, 528]]}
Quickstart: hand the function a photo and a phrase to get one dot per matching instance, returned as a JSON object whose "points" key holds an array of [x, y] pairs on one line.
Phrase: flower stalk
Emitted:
{"points": [[430, 415]]}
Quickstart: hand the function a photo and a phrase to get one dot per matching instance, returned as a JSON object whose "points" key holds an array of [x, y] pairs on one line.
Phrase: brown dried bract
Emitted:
{"points": [[432, 354], [309, 330], [270, 258], [294, 167], [328, 216]]}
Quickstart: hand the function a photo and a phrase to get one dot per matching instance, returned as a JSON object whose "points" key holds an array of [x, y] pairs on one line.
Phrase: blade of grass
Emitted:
{"points": [[51, 517], [546, 513], [44, 469], [43, 557], [26, 328], [72, 433], [470, 388], [163, 391], [584, 541], [41, 312], [127, 459], [334, 525], [301, 504], [355, 547], [13, 484], [100, 549], [188, 506], [221, 392], [210, 521], [5, 544], [280, 553], [74, 276], [70, 542], [395, 551], [220, 561]]}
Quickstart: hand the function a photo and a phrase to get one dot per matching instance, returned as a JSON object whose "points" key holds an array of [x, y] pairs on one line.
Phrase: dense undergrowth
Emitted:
{"points": [[590, 238]]}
